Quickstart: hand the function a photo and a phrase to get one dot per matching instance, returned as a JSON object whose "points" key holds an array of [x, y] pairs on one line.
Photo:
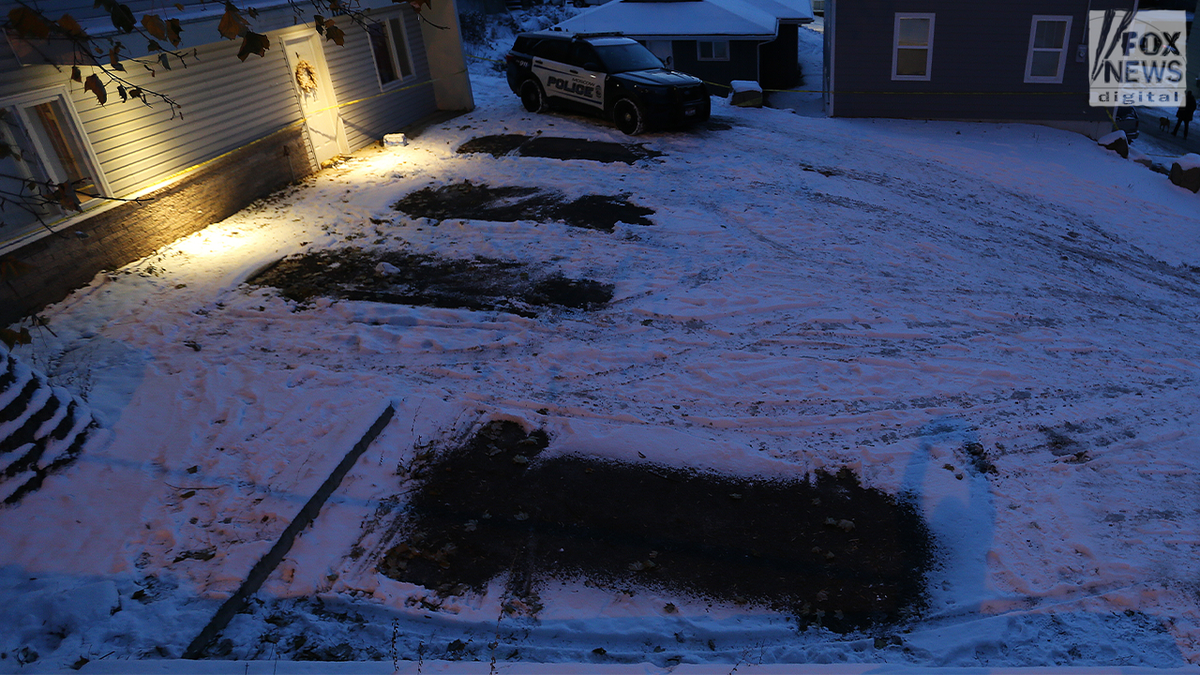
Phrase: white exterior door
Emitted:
{"points": [[662, 49], [310, 76]]}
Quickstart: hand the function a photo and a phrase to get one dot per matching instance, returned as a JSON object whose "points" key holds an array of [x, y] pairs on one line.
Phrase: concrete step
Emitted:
{"points": [[42, 428]]}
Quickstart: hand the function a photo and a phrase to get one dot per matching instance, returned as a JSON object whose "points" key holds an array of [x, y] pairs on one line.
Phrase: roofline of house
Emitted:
{"points": [[273, 15], [707, 36]]}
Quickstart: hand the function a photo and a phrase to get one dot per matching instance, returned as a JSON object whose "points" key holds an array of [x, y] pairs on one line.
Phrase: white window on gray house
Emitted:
{"points": [[389, 44], [715, 50], [47, 148], [912, 46], [1047, 55]]}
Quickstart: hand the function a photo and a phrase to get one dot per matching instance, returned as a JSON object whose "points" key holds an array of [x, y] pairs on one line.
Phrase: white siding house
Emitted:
{"points": [[242, 130]]}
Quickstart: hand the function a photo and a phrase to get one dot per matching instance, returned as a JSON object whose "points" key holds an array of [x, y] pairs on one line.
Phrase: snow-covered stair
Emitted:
{"points": [[42, 428]]}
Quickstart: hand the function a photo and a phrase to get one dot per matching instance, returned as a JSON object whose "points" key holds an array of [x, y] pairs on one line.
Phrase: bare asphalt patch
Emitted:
{"points": [[552, 147], [468, 201], [830, 551], [417, 279]]}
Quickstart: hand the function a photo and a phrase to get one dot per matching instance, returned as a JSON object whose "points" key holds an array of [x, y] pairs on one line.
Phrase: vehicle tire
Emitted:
{"points": [[629, 116], [532, 96]]}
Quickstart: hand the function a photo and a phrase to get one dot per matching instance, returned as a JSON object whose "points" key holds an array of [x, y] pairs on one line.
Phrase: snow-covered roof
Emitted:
{"points": [[697, 18]]}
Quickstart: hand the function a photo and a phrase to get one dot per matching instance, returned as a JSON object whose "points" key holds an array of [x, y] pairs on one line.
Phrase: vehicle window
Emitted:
{"points": [[623, 58], [582, 53], [555, 50]]}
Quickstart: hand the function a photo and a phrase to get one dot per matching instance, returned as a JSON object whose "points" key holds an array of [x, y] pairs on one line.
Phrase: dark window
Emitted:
{"points": [[554, 50], [383, 59], [400, 47], [627, 57], [389, 44], [582, 54], [49, 147], [712, 51], [912, 48], [1047, 49]]}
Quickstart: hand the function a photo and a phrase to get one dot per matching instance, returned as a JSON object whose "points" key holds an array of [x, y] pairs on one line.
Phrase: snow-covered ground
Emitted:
{"points": [[813, 294]]}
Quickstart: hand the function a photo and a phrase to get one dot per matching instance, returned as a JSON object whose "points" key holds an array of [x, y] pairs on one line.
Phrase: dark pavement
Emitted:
{"points": [[1148, 126]]}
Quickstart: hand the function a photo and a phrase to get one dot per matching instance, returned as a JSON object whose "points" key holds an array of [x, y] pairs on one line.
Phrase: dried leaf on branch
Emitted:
{"points": [[155, 26], [334, 34], [71, 28], [28, 23], [173, 31], [94, 85], [114, 57], [13, 338], [254, 43], [232, 24], [122, 18]]}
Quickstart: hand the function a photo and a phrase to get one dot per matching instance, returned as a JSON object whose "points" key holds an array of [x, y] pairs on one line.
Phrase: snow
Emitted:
{"points": [[1189, 161], [814, 294], [659, 19], [735, 18], [739, 86], [1112, 137]]}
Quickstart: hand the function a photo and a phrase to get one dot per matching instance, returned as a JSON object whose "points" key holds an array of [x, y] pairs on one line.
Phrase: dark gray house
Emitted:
{"points": [[716, 40], [1020, 60]]}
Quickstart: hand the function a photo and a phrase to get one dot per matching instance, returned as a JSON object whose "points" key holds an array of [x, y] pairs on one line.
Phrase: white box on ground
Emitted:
{"points": [[746, 94]]}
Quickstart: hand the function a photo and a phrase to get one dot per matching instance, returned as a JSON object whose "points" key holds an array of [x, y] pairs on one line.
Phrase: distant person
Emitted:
{"points": [[1185, 113]]}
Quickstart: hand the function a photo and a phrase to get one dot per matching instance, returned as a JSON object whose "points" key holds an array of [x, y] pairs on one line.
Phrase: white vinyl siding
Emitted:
{"points": [[912, 47], [228, 104], [139, 146], [1047, 55], [355, 79]]}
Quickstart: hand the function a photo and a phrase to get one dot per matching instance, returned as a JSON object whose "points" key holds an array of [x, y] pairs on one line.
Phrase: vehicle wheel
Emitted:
{"points": [[629, 116], [532, 96]]}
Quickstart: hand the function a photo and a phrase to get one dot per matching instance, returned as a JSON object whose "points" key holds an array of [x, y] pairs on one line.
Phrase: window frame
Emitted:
{"points": [[45, 164], [896, 46], [713, 50], [395, 64], [1062, 51]]}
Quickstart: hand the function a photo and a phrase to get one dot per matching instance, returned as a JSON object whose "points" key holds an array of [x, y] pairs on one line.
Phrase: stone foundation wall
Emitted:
{"points": [[53, 266]]}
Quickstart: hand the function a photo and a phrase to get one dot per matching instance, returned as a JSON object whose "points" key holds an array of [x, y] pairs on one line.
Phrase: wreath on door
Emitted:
{"points": [[306, 76]]}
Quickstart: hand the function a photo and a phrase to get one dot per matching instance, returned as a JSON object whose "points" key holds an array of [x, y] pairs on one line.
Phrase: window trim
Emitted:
{"points": [[1062, 51], [20, 105], [386, 24], [714, 43], [928, 46]]}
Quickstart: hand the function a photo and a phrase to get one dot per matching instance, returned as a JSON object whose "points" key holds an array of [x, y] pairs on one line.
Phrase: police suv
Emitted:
{"points": [[605, 74]]}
